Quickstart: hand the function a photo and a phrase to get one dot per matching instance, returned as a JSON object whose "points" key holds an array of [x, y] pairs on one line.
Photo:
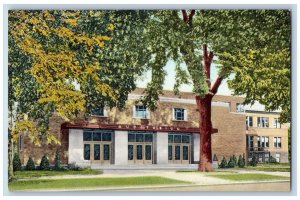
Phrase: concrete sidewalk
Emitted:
{"points": [[196, 179]]}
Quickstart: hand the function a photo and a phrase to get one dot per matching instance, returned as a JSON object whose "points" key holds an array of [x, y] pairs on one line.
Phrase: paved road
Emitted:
{"points": [[273, 186]]}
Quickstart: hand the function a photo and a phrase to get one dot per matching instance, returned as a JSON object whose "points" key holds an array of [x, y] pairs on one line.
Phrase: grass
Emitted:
{"points": [[39, 173], [247, 177], [282, 167], [89, 182]]}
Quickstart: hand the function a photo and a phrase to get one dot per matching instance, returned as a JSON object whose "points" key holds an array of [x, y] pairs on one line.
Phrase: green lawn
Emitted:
{"points": [[247, 176], [39, 173], [89, 182], [282, 167]]}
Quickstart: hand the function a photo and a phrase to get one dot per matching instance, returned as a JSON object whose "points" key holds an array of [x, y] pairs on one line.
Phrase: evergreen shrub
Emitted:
{"points": [[223, 163], [57, 165], [241, 162], [17, 162], [230, 162], [30, 164], [44, 165]]}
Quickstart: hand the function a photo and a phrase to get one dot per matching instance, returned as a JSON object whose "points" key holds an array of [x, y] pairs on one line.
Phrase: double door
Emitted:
{"points": [[98, 152], [179, 153], [140, 153]]}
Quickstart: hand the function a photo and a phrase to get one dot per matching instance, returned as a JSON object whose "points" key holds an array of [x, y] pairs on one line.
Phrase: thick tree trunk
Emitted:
{"points": [[204, 107], [10, 158]]}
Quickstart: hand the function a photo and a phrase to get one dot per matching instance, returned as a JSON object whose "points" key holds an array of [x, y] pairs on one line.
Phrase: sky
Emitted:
{"points": [[170, 80]]}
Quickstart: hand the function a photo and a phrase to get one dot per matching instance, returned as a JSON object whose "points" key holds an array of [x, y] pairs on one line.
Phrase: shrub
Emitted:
{"points": [[44, 163], [272, 160], [17, 162], [230, 162], [253, 162], [57, 165], [241, 162], [223, 163], [30, 164], [234, 160]]}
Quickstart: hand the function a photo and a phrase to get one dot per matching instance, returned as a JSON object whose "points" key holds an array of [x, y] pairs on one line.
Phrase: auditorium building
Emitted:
{"points": [[169, 136]]}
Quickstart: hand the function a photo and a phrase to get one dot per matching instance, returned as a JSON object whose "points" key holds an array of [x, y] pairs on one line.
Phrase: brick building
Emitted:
{"points": [[134, 135]]}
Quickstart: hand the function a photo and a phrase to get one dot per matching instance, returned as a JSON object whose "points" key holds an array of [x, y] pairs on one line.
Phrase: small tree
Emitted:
{"points": [[17, 162], [223, 163], [253, 162], [57, 160], [231, 162], [30, 164], [234, 160], [44, 163], [241, 162]]}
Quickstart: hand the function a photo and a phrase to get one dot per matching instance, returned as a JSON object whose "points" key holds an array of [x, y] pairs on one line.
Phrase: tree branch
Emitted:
{"points": [[191, 15], [217, 84], [184, 14]]}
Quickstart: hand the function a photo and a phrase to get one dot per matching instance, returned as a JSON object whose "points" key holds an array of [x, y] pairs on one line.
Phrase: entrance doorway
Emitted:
{"points": [[140, 148], [97, 146], [179, 148]]}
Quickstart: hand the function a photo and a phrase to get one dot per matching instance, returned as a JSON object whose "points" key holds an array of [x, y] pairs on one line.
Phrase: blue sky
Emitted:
{"points": [[170, 80]]}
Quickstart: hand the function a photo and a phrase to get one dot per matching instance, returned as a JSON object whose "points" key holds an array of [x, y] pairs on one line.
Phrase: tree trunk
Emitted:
{"points": [[10, 158], [204, 107]]}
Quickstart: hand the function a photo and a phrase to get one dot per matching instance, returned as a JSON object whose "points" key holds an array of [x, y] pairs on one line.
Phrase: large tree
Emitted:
{"points": [[195, 38], [66, 62]]}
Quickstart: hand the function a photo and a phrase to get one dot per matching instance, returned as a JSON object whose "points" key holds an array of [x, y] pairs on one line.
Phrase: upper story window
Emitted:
{"points": [[262, 121], [276, 123], [141, 111], [239, 107], [179, 114], [249, 121], [263, 141], [98, 111], [277, 142]]}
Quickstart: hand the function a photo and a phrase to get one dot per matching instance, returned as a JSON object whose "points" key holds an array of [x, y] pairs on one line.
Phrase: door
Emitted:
{"points": [[140, 153], [98, 153], [179, 148]]}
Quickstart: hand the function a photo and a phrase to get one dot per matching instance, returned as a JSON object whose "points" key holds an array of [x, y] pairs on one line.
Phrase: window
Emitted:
{"points": [[179, 114], [263, 141], [262, 121], [276, 123], [140, 111], [97, 135], [277, 142], [99, 111], [239, 107], [249, 121]]}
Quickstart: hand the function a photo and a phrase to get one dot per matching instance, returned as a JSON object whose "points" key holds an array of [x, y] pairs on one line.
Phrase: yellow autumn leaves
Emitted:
{"points": [[57, 68]]}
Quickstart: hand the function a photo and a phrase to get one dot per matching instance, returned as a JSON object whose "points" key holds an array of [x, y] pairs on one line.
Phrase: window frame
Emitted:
{"points": [[146, 114], [276, 142], [97, 115], [240, 108], [263, 122], [248, 121], [184, 110]]}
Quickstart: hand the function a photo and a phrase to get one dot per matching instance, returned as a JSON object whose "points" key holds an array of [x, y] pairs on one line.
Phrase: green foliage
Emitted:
{"points": [[30, 164], [17, 162], [223, 163], [241, 162], [254, 161], [44, 165], [231, 162], [235, 161], [57, 160], [272, 160]]}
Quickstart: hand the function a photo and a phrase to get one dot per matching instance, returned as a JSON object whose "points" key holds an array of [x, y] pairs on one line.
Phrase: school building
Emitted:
{"points": [[169, 136]]}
